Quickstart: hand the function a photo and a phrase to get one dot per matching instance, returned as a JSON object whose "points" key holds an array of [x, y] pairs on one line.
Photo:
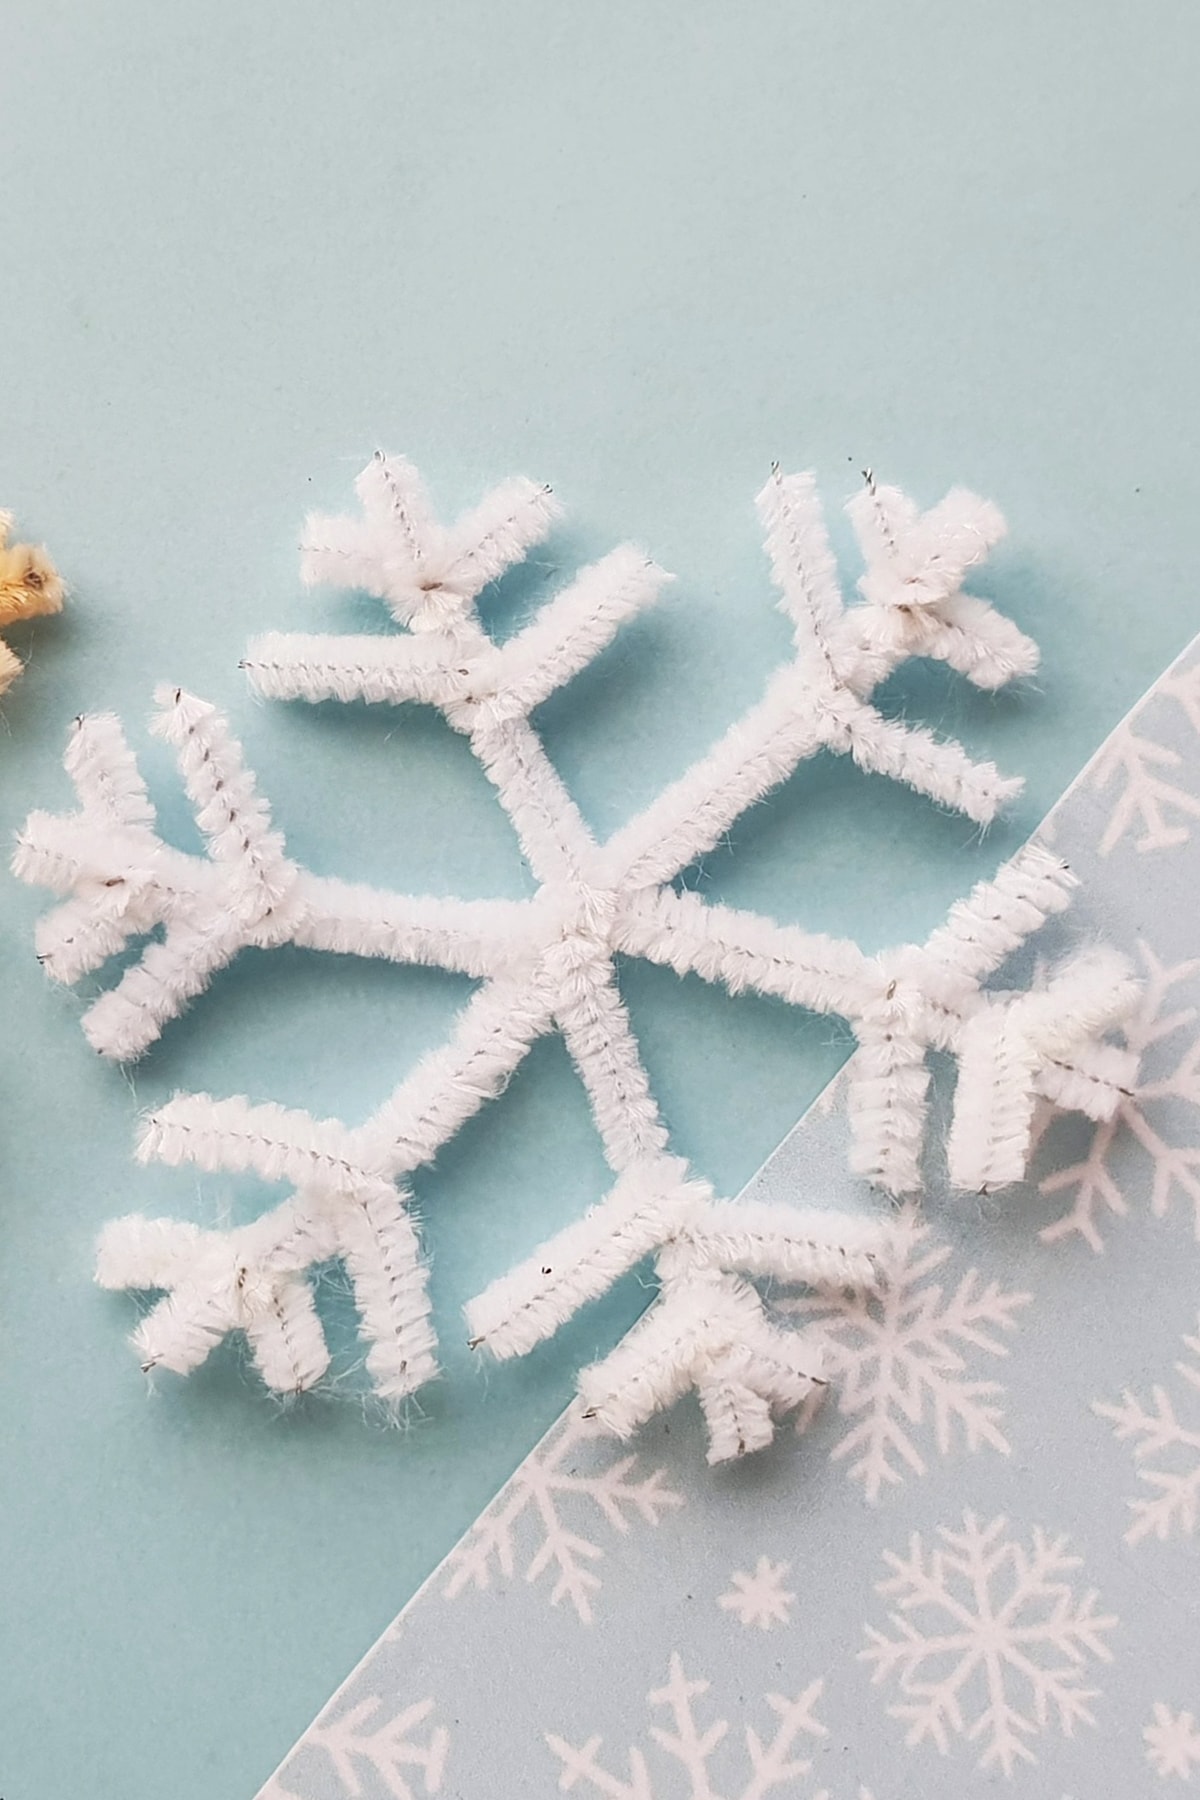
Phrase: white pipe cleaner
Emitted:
{"points": [[547, 964]]}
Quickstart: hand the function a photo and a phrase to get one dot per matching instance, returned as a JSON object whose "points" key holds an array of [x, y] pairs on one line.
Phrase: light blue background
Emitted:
{"points": [[638, 251]]}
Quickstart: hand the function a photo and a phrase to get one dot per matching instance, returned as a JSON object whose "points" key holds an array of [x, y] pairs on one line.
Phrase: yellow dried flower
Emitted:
{"points": [[30, 585]]}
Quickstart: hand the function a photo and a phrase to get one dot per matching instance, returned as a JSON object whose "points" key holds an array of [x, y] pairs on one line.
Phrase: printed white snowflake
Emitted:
{"points": [[1172, 1743], [549, 964], [988, 1641], [760, 1598], [1157, 1432], [902, 1360], [1150, 1116], [360, 1744], [693, 1749], [527, 1521], [1148, 801]]}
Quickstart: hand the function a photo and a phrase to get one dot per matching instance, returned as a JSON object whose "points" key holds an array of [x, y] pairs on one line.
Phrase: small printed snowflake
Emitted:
{"points": [[693, 1748], [573, 1470], [1172, 1743], [980, 1621], [1157, 1432], [760, 1598], [359, 1745], [901, 1360], [1149, 1117], [1149, 798]]}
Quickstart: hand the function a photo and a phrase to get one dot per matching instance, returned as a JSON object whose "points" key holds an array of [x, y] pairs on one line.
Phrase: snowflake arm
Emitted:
{"points": [[379, 670], [466, 937], [817, 702], [345, 1194], [252, 1280], [745, 952], [123, 881], [709, 1329], [529, 1303], [599, 1038], [494, 1031], [427, 573], [904, 1002], [654, 1204]]}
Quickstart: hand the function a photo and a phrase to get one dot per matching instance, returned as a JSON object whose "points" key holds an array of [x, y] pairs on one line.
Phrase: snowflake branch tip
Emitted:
{"points": [[983, 929], [915, 602], [123, 882], [254, 1279], [1014, 1049], [251, 1280], [427, 573], [708, 1330], [580, 1263], [1011, 1048], [468, 682]]}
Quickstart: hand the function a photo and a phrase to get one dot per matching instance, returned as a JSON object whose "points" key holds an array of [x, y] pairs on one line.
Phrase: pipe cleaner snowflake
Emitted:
{"points": [[547, 964]]}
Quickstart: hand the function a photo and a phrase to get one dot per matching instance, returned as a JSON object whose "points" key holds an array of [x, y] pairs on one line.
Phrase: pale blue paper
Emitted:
{"points": [[638, 251]]}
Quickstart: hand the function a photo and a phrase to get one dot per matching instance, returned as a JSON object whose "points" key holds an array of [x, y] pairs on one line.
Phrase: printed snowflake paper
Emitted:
{"points": [[944, 1546], [549, 964]]}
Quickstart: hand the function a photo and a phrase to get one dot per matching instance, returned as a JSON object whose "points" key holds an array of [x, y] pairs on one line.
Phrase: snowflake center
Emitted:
{"points": [[581, 920]]}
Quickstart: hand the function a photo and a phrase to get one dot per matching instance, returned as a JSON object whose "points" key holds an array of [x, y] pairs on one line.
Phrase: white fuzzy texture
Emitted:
{"points": [[547, 964]]}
